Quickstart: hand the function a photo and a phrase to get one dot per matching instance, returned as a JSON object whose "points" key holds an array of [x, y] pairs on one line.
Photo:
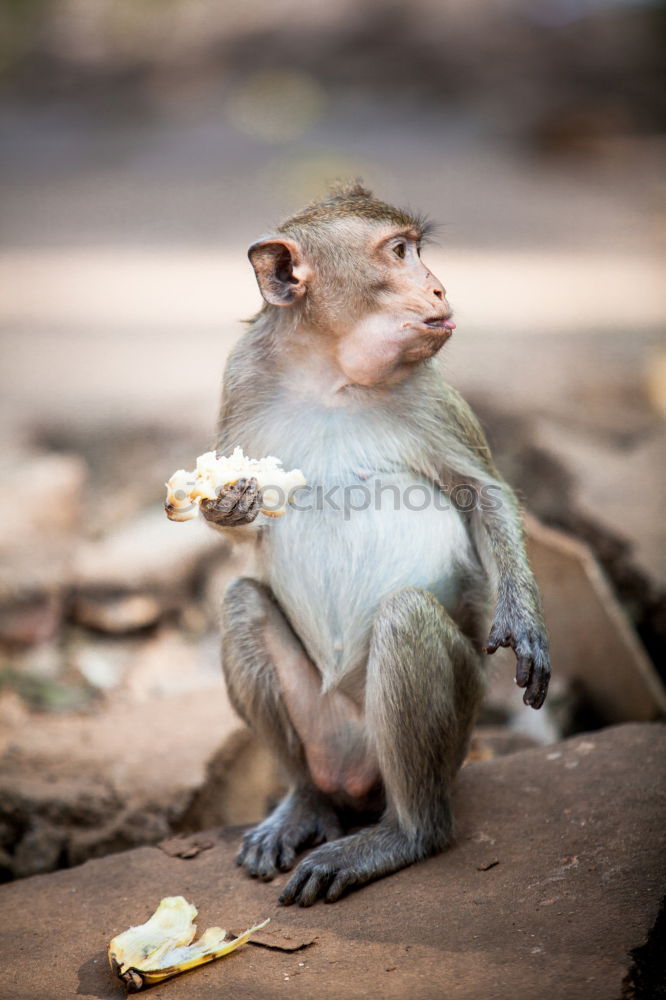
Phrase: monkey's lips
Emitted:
{"points": [[427, 344], [440, 323]]}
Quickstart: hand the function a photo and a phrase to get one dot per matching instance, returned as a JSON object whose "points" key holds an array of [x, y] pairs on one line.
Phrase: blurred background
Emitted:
{"points": [[143, 147]]}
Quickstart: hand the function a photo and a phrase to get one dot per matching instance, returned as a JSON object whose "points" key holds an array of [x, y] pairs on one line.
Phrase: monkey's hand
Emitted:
{"points": [[529, 642], [237, 503]]}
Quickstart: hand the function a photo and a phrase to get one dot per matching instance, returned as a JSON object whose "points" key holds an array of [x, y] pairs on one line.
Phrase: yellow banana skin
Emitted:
{"points": [[144, 955]]}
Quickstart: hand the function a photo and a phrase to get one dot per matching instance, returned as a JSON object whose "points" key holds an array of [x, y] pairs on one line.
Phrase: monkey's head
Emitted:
{"points": [[349, 269]]}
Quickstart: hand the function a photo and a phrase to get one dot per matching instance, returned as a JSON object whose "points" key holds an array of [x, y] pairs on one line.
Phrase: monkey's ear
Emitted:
{"points": [[281, 273]]}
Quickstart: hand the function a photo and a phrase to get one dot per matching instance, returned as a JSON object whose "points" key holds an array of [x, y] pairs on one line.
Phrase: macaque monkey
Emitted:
{"points": [[357, 652]]}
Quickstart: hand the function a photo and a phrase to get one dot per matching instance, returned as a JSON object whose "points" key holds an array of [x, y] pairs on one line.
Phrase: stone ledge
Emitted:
{"points": [[556, 876]]}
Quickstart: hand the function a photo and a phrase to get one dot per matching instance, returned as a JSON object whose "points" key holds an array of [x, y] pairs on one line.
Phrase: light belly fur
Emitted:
{"points": [[330, 568]]}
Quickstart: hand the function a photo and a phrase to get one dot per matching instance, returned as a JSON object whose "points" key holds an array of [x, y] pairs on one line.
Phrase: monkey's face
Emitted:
{"points": [[404, 318], [363, 291]]}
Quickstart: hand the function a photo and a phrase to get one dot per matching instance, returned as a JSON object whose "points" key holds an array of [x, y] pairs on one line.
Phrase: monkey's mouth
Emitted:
{"points": [[440, 323]]}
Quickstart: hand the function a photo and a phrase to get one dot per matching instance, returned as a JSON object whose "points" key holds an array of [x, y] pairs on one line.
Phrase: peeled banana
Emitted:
{"points": [[162, 947], [186, 490]]}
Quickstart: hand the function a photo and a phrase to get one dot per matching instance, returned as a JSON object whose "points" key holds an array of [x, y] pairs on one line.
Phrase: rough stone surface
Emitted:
{"points": [[157, 712], [40, 520], [72, 788], [592, 642], [556, 876]]}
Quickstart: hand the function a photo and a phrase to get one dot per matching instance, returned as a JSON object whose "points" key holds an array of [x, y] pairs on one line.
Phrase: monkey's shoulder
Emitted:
{"points": [[460, 423]]}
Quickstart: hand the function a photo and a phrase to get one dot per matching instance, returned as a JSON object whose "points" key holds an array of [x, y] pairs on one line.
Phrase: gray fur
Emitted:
{"points": [[386, 608]]}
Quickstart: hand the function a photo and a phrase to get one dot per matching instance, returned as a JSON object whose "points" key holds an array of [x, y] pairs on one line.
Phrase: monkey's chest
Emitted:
{"points": [[349, 542]]}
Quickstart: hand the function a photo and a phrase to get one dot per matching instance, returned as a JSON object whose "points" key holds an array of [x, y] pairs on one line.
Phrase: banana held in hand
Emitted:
{"points": [[162, 947], [186, 490]]}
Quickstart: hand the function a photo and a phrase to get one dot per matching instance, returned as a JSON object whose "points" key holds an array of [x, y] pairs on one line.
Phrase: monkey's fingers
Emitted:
{"points": [[536, 699], [233, 503], [537, 689], [499, 636], [220, 508], [533, 667], [247, 507], [525, 655], [523, 671], [234, 494]]}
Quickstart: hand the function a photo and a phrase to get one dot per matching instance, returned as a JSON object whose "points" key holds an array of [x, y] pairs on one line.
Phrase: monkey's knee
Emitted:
{"points": [[413, 620], [405, 609]]}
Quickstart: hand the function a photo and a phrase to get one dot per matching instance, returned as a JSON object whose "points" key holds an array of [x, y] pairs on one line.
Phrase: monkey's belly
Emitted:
{"points": [[333, 559]]}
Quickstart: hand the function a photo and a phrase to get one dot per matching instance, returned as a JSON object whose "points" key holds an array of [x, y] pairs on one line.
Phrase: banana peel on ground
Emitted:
{"points": [[162, 947]]}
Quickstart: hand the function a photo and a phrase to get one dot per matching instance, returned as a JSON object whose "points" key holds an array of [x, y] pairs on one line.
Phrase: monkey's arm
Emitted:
{"points": [[498, 528], [518, 620], [237, 506]]}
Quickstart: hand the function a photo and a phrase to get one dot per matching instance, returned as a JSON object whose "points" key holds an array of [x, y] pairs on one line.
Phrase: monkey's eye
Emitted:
{"points": [[400, 250]]}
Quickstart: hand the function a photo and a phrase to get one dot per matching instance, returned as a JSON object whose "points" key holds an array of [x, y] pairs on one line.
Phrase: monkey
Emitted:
{"points": [[356, 650]]}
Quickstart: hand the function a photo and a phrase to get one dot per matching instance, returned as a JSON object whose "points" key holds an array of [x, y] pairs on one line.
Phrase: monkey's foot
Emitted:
{"points": [[304, 817], [334, 868]]}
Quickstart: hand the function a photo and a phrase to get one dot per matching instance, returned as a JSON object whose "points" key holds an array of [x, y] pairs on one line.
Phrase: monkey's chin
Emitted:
{"points": [[425, 351], [441, 333]]}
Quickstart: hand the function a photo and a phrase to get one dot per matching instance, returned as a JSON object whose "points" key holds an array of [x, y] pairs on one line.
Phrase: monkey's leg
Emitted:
{"points": [[424, 684], [252, 624]]}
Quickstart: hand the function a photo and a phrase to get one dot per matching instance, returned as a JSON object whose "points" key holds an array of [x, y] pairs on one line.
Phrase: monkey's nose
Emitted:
{"points": [[439, 293]]}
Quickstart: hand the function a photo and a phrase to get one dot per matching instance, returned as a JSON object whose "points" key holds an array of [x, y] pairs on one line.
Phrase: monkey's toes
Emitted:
{"points": [[308, 884], [327, 873], [260, 855], [316, 881], [265, 854]]}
